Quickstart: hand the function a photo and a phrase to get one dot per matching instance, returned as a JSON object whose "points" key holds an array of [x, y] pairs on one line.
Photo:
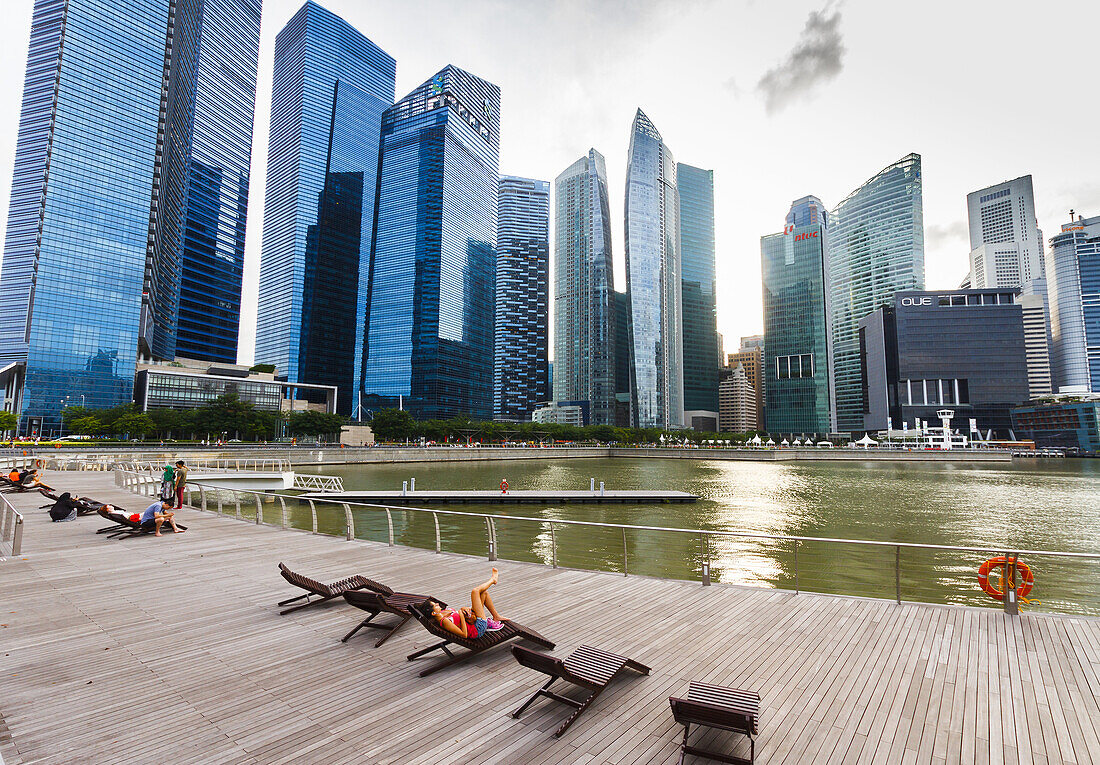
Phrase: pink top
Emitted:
{"points": [[471, 630]]}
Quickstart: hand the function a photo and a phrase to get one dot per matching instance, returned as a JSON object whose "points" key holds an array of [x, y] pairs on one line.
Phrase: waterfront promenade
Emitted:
{"points": [[172, 650]]}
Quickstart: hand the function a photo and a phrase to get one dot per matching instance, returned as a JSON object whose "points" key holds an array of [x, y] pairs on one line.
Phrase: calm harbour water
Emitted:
{"points": [[1031, 505]]}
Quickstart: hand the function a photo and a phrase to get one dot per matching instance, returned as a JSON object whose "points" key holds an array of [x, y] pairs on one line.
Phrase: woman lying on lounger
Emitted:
{"points": [[473, 622]]}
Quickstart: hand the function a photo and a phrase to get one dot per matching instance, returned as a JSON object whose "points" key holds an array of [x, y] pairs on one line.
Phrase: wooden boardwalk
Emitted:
{"points": [[165, 650], [520, 496]]}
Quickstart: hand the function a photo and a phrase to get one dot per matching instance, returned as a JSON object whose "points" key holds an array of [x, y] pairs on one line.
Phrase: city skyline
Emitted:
{"points": [[755, 174]]}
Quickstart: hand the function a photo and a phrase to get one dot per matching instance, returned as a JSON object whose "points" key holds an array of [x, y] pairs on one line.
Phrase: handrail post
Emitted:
{"points": [[797, 542], [282, 508], [313, 514], [704, 552], [492, 540], [349, 521], [625, 570], [17, 536], [237, 503], [897, 573], [259, 510], [218, 494], [389, 525], [553, 546], [1011, 602], [435, 517]]}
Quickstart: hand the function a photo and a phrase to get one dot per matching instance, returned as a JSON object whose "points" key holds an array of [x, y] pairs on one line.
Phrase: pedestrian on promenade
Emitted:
{"points": [[181, 482], [156, 515], [168, 483], [503, 485]]}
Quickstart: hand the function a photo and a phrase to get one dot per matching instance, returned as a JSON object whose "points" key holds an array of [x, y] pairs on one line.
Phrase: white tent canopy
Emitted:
{"points": [[756, 440], [867, 441]]}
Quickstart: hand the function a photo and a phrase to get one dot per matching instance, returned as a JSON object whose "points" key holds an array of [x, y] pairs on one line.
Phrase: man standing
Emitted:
{"points": [[181, 483]]}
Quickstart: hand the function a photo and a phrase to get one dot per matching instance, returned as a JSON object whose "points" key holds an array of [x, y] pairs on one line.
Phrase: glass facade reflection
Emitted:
{"points": [[1073, 287], [585, 319], [875, 249], [520, 373], [330, 87], [796, 356], [430, 299], [653, 280], [700, 317], [78, 225]]}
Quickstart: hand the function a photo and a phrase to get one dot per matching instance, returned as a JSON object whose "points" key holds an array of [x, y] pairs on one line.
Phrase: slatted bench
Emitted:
{"points": [[323, 592], [588, 667], [716, 706], [376, 601]]}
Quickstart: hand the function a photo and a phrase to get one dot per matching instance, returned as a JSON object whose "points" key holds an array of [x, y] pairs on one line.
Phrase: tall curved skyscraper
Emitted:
{"points": [[653, 280], [584, 315], [876, 248]]}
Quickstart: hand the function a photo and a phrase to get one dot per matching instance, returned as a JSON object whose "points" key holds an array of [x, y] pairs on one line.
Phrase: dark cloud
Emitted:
{"points": [[817, 58], [943, 236]]}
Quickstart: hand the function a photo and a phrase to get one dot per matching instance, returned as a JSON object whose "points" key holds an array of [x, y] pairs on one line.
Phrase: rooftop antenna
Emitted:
{"points": [[1071, 211]]}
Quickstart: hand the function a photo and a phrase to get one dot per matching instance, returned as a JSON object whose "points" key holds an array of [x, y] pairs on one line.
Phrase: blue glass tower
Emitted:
{"points": [[331, 86], [78, 225], [520, 373], [698, 295], [197, 247], [585, 315], [653, 280], [431, 306]]}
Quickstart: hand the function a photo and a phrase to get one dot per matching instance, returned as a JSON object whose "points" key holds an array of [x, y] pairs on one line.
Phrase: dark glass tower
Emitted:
{"points": [[700, 318], [432, 271], [197, 245], [331, 85], [78, 225], [653, 280], [584, 309], [521, 376]]}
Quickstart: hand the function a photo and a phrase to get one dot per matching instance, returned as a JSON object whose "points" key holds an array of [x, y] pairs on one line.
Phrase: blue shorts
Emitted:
{"points": [[480, 625]]}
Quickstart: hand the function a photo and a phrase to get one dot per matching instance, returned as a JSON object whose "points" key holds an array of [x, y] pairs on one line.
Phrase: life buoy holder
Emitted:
{"points": [[1027, 581]]}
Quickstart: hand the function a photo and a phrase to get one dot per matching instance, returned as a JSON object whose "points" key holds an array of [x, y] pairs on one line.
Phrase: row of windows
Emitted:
{"points": [[934, 392], [794, 367]]}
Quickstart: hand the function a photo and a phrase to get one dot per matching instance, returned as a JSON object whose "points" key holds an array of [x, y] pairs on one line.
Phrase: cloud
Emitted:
{"points": [[939, 235], [816, 59]]}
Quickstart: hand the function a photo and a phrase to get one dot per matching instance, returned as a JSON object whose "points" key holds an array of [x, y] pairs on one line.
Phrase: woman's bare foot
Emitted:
{"points": [[493, 578]]}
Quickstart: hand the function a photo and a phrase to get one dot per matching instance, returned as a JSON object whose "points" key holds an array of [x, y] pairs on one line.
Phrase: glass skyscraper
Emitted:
{"points": [[330, 87], [875, 248], [796, 356], [197, 245], [584, 313], [78, 223], [520, 372], [430, 299], [653, 280], [700, 319], [1073, 286]]}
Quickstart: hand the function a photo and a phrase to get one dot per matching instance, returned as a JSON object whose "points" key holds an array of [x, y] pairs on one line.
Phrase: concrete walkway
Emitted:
{"points": [[171, 649]]}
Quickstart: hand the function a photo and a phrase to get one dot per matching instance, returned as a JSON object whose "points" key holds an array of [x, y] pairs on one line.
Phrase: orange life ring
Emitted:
{"points": [[1027, 581]]}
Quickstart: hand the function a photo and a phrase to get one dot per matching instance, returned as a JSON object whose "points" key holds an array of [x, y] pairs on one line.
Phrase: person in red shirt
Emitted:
{"points": [[473, 622]]}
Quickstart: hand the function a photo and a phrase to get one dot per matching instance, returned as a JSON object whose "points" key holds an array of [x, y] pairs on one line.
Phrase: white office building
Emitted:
{"points": [[736, 403]]}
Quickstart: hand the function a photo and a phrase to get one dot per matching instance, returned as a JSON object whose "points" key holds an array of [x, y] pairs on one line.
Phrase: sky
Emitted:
{"points": [[781, 99]]}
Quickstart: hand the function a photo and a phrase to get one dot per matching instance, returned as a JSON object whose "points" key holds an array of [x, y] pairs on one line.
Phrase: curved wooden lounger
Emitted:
{"points": [[377, 599], [510, 631], [590, 668], [323, 592], [124, 527]]}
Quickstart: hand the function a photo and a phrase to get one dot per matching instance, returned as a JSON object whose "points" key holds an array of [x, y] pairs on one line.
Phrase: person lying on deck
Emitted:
{"points": [[156, 516], [473, 622], [28, 479], [65, 508]]}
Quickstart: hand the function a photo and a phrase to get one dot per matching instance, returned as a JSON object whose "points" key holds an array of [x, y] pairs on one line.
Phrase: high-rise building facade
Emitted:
{"points": [[330, 87], [520, 371], [653, 275], [200, 196], [961, 350], [585, 326], [796, 357], [78, 222], [1073, 287], [751, 359], [1005, 241], [1037, 343], [875, 249], [736, 402], [430, 303], [698, 296]]}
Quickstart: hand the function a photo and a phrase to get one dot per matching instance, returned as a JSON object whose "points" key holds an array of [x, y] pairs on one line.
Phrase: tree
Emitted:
{"points": [[393, 425], [8, 420], [226, 414], [262, 368], [311, 423], [135, 424], [88, 425]]}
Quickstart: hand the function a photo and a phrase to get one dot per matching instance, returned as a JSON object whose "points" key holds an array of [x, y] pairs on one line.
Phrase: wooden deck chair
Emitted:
{"points": [[590, 668], [378, 599], [323, 592], [715, 706], [510, 631]]}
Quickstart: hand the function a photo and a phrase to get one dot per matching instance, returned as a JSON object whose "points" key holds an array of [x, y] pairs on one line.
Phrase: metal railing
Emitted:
{"points": [[856, 567], [325, 483], [11, 528]]}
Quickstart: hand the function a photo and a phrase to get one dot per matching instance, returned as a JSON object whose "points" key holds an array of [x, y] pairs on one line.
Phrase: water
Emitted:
{"points": [[1029, 505]]}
